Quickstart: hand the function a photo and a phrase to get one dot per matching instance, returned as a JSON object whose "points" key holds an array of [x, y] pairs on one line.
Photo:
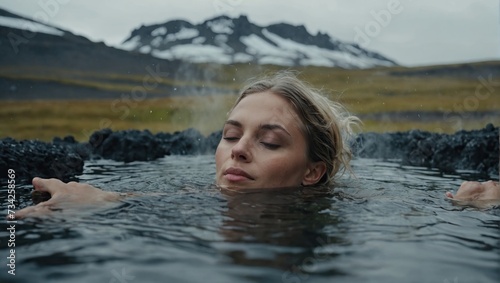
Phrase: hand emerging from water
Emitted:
{"points": [[481, 195], [66, 196]]}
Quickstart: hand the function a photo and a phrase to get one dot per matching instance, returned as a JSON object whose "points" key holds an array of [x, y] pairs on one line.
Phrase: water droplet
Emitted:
{"points": [[234, 79], [150, 111], [175, 89]]}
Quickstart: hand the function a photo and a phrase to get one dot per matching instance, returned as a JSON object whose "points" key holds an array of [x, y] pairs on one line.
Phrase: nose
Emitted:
{"points": [[241, 151]]}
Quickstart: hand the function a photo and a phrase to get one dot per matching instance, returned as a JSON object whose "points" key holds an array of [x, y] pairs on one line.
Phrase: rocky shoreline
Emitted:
{"points": [[476, 150]]}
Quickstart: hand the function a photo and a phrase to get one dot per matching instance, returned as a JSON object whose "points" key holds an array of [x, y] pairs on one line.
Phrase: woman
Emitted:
{"points": [[280, 133], [285, 134]]}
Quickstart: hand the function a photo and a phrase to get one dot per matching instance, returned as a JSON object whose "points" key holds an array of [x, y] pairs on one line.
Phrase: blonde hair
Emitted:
{"points": [[327, 125]]}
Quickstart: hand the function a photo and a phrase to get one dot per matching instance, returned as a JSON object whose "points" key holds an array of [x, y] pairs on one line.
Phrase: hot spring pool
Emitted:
{"points": [[391, 224]]}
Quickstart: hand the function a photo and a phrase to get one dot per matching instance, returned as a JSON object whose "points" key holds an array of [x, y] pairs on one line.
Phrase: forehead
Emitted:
{"points": [[266, 106]]}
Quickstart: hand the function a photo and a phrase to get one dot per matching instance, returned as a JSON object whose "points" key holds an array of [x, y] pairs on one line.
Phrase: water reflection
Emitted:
{"points": [[388, 225], [283, 229]]}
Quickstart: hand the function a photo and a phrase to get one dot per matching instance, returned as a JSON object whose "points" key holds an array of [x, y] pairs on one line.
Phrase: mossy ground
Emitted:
{"points": [[364, 92]]}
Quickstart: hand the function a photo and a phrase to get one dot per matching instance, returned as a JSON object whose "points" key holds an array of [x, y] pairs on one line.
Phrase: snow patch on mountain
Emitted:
{"points": [[131, 44], [19, 23], [184, 33], [159, 31], [221, 26]]}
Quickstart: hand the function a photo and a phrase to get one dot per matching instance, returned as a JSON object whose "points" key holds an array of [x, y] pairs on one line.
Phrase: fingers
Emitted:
{"points": [[32, 211], [63, 196], [50, 186], [476, 193]]}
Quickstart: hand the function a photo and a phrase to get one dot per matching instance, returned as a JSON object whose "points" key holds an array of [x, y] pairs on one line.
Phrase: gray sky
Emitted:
{"points": [[418, 32]]}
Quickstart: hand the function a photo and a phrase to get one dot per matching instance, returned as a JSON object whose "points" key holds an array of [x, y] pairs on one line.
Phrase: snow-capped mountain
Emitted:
{"points": [[228, 40]]}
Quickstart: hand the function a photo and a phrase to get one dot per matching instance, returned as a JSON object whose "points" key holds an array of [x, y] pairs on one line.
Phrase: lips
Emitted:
{"points": [[237, 175]]}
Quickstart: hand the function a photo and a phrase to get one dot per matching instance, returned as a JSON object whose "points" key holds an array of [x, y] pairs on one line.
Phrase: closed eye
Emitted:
{"points": [[230, 138], [270, 145]]}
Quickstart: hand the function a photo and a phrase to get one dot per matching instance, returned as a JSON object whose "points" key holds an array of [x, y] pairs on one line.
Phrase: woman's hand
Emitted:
{"points": [[66, 196], [481, 195]]}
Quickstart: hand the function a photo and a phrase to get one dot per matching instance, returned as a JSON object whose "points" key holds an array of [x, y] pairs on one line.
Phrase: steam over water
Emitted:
{"points": [[390, 224]]}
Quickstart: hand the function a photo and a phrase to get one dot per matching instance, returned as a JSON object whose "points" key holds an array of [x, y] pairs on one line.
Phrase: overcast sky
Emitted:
{"points": [[418, 32]]}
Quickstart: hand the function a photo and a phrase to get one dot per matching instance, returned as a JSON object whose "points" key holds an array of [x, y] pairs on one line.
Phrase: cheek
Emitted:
{"points": [[222, 153], [218, 157], [284, 171]]}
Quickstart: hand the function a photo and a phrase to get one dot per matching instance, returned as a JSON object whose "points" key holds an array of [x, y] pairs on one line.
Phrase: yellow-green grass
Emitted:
{"points": [[363, 92], [104, 81], [44, 120]]}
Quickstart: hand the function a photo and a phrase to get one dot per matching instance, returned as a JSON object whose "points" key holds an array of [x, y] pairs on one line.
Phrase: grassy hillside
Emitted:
{"points": [[45, 119], [439, 98]]}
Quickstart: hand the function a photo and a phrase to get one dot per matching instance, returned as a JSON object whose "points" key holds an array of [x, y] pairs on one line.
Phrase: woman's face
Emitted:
{"points": [[262, 145]]}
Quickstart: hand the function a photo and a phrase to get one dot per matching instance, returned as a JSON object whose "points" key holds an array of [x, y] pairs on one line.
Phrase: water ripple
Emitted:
{"points": [[390, 223]]}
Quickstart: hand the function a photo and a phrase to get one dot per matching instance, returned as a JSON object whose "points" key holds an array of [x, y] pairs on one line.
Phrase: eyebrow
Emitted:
{"points": [[234, 123], [270, 127]]}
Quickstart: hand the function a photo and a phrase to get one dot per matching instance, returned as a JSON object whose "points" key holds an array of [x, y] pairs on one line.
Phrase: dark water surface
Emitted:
{"points": [[391, 224]]}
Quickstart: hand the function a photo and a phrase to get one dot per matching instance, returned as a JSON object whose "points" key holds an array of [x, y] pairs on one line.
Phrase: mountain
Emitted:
{"points": [[42, 61], [30, 43], [236, 40]]}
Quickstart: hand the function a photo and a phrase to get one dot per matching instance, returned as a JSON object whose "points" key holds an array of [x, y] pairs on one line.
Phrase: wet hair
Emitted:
{"points": [[326, 124]]}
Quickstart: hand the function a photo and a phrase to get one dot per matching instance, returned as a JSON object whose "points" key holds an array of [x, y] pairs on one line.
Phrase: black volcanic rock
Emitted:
{"points": [[32, 158], [134, 145], [476, 150], [127, 146], [64, 158], [189, 141]]}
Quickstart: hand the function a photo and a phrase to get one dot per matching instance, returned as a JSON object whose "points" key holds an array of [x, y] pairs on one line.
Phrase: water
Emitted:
{"points": [[391, 224]]}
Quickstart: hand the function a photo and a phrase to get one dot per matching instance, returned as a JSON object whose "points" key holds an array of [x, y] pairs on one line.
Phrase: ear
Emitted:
{"points": [[314, 172]]}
